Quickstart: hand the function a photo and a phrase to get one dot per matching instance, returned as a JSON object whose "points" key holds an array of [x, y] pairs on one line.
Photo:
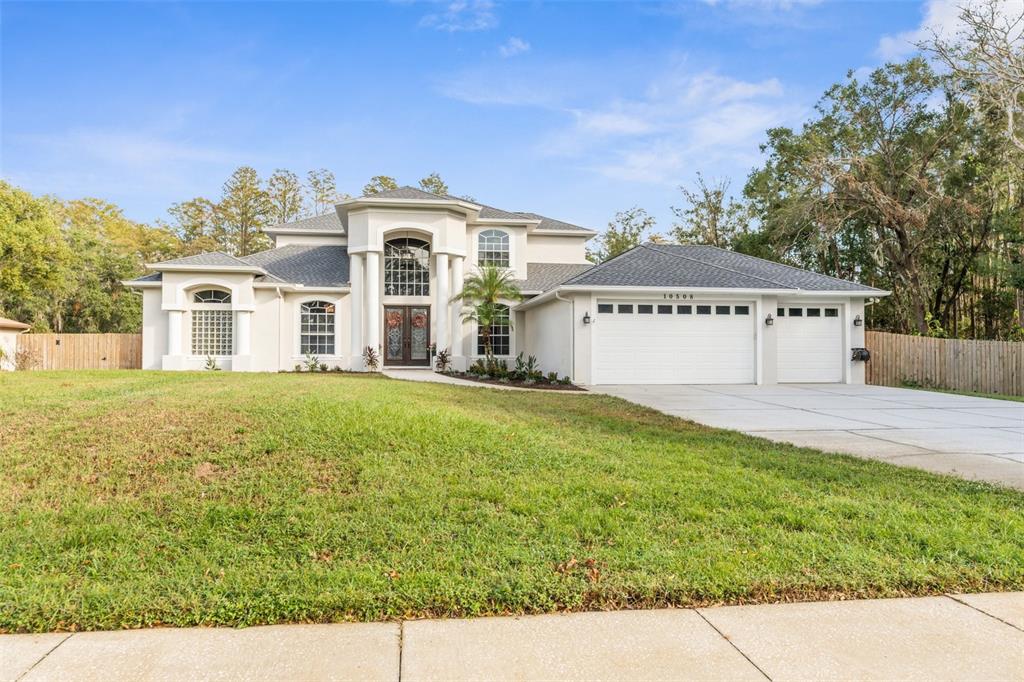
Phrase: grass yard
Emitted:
{"points": [[135, 499]]}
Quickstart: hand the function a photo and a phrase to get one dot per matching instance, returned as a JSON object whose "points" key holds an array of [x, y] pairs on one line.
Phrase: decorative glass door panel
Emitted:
{"points": [[407, 335]]}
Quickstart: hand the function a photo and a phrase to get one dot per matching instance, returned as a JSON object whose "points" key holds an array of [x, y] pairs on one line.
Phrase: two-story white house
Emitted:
{"points": [[381, 271]]}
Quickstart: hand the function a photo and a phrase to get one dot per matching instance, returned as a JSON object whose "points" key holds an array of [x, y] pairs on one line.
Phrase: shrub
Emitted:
{"points": [[478, 368], [323, 366], [312, 362], [211, 364], [443, 360], [298, 367], [565, 380], [336, 368], [552, 377], [371, 358]]}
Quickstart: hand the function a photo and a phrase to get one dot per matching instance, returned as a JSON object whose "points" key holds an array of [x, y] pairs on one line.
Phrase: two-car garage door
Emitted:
{"points": [[697, 342], [712, 342]]}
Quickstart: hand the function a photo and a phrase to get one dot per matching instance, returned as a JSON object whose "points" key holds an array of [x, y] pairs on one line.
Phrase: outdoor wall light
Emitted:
{"points": [[857, 322], [586, 318], [769, 321]]}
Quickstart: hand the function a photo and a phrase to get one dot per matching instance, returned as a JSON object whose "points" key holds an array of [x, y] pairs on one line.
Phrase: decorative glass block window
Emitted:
{"points": [[500, 334], [492, 248], [406, 267], [664, 310], [645, 309], [742, 310], [831, 312], [211, 296], [316, 328], [212, 332], [605, 308]]}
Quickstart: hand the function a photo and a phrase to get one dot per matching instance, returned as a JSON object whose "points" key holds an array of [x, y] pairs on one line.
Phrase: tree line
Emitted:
{"points": [[909, 179], [62, 262]]}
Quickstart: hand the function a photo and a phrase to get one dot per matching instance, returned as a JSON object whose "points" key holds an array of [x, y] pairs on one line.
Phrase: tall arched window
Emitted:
{"points": [[406, 267], [316, 328], [212, 323], [500, 334], [492, 248]]}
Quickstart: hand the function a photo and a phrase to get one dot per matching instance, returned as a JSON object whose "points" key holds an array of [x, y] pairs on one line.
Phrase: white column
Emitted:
{"points": [[356, 345], [373, 300], [441, 306], [244, 324], [174, 332], [456, 313]]}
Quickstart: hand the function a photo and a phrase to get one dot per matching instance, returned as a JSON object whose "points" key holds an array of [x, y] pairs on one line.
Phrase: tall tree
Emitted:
{"points": [[483, 291], [244, 209], [625, 231], [323, 190], [711, 216], [987, 57], [284, 192], [434, 184], [197, 225], [378, 184], [868, 168]]}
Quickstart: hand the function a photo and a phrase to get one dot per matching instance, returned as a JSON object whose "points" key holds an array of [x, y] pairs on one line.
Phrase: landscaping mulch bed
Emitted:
{"points": [[543, 385]]}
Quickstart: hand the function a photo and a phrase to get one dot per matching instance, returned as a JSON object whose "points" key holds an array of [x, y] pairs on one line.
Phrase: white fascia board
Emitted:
{"points": [[304, 232], [408, 203], [565, 233], [504, 221], [712, 291], [206, 268], [141, 285]]}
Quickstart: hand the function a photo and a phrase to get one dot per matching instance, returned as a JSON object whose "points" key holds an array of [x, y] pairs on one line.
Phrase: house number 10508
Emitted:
{"points": [[682, 296]]}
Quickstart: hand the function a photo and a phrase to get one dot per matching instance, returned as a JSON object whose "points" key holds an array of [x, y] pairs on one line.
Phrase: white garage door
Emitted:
{"points": [[697, 342], [810, 343]]}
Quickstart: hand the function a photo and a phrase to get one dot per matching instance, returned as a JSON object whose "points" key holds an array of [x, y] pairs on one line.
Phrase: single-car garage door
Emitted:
{"points": [[810, 343], [697, 342]]}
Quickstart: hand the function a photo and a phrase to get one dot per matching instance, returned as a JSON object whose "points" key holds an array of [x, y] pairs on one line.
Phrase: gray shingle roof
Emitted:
{"points": [[660, 265], [486, 212], [211, 258], [151, 277], [322, 266], [327, 222], [544, 276]]}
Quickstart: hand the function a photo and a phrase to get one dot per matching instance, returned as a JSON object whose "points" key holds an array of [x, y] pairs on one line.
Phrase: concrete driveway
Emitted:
{"points": [[975, 438]]}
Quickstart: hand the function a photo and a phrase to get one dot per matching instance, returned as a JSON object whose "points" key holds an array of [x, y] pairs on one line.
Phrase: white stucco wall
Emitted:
{"points": [[548, 335], [556, 249], [309, 240], [9, 346], [154, 329]]}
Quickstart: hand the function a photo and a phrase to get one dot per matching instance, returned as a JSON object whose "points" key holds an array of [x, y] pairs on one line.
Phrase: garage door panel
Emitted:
{"points": [[809, 348], [674, 348]]}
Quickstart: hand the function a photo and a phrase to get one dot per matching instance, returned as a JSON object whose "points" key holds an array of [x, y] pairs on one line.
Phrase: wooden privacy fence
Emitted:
{"points": [[954, 364], [83, 351]]}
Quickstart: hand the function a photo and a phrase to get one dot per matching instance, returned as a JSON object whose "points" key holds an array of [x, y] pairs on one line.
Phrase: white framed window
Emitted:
{"points": [[316, 328], [501, 334], [406, 267], [492, 248], [211, 296]]}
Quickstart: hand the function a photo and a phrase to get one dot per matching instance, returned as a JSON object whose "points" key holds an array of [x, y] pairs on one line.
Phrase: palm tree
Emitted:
{"points": [[483, 291]]}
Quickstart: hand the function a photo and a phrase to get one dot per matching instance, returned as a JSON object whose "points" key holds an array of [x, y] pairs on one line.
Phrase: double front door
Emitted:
{"points": [[407, 335]]}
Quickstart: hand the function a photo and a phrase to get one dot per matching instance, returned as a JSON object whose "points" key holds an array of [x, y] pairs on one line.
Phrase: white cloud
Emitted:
{"points": [[657, 132], [513, 46], [940, 16], [463, 15]]}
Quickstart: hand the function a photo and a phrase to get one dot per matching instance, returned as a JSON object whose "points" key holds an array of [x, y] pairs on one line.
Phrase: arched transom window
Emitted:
{"points": [[492, 248], [212, 323], [500, 334], [316, 328], [406, 267]]}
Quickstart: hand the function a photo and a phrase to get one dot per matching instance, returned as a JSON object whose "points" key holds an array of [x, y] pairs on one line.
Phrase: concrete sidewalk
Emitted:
{"points": [[933, 638]]}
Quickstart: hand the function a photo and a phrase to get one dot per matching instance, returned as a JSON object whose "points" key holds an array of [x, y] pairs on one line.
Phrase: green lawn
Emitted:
{"points": [[130, 499]]}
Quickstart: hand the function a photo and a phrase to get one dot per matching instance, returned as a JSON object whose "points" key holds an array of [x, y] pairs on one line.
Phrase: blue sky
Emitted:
{"points": [[572, 110]]}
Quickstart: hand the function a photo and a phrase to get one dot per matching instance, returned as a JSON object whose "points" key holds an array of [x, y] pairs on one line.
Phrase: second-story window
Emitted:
{"points": [[406, 267], [492, 248]]}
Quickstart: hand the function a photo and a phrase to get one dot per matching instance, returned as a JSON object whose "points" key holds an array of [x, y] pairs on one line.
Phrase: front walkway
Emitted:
{"points": [[971, 437], [956, 637]]}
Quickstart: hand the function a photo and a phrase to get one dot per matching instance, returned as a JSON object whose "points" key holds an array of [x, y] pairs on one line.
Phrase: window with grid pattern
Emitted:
{"points": [[316, 328], [212, 332], [406, 267], [500, 334], [492, 248]]}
